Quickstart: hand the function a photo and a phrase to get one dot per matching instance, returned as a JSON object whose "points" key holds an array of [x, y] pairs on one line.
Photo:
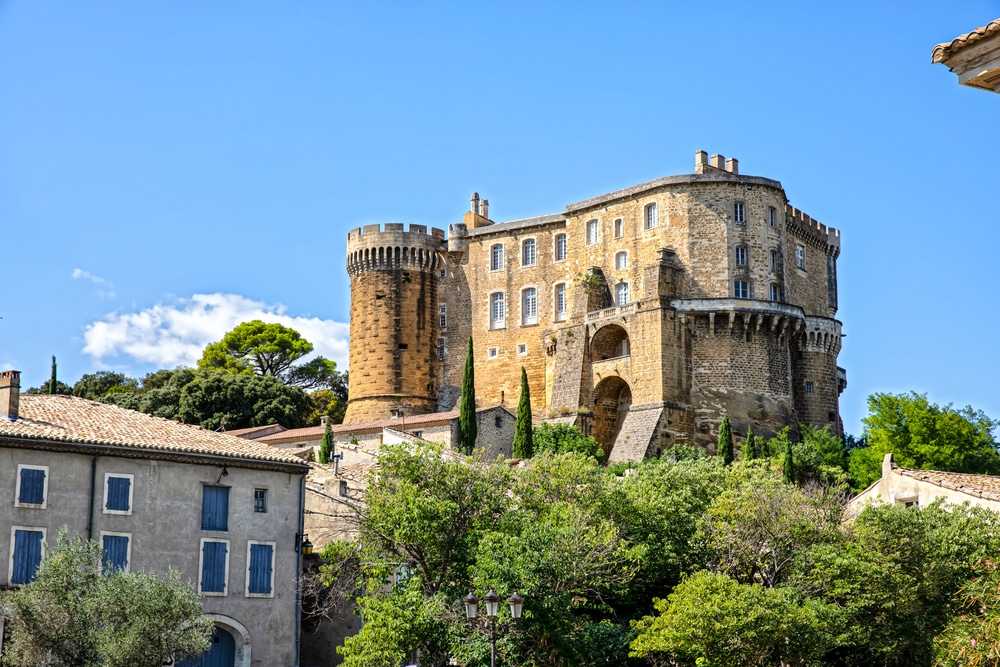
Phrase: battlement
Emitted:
{"points": [[359, 233], [390, 247], [813, 228]]}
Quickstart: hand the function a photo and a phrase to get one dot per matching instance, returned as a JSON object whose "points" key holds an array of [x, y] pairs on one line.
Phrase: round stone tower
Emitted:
{"points": [[393, 360]]}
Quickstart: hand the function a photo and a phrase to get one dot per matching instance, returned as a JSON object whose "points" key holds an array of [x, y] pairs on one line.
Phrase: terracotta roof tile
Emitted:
{"points": [[981, 486], [941, 52], [68, 419]]}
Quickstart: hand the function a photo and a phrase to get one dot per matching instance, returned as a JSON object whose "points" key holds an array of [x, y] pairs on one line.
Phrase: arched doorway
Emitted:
{"points": [[612, 400], [222, 651], [610, 342]]}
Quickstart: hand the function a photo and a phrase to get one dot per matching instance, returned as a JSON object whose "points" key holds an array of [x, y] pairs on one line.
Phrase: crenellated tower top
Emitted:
{"points": [[372, 248]]}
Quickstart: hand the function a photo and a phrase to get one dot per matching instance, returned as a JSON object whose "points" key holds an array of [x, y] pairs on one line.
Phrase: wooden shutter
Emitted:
{"points": [[213, 568], [115, 552], [32, 486], [261, 563], [215, 508], [118, 493], [27, 555]]}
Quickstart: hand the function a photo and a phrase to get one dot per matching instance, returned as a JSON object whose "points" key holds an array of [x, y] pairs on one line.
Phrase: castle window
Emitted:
{"points": [[528, 253], [809, 387], [522, 348], [775, 292], [741, 255], [649, 216], [440, 348], [772, 216], [741, 288], [622, 293], [492, 353], [498, 310], [560, 302], [496, 257], [619, 228], [739, 212], [773, 259], [800, 257], [443, 316], [529, 306], [592, 232], [560, 247]]}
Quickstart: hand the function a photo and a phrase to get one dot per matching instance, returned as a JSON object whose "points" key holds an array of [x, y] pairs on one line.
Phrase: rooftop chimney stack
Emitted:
{"points": [[10, 394], [485, 206], [475, 202], [733, 166], [718, 161]]}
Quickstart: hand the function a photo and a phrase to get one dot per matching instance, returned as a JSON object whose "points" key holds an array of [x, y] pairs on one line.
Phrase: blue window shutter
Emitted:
{"points": [[27, 555], [261, 559], [32, 486], [118, 492], [115, 552], [215, 508], [213, 570]]}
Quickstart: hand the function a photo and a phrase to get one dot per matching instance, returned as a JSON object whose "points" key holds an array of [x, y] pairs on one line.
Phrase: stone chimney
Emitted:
{"points": [[733, 166], [10, 394], [474, 202], [718, 161], [322, 420], [485, 209]]}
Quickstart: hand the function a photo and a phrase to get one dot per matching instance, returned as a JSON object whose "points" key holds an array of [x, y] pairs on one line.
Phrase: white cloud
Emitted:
{"points": [[97, 280], [170, 335]]}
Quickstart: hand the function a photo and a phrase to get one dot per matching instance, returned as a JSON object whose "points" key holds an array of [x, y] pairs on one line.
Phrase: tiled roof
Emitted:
{"points": [[981, 486], [68, 419], [255, 432], [941, 52]]}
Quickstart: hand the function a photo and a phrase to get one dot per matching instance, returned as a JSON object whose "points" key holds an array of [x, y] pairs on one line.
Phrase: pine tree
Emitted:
{"points": [[725, 448], [749, 451], [789, 466], [467, 408], [326, 447], [523, 446], [52, 382]]}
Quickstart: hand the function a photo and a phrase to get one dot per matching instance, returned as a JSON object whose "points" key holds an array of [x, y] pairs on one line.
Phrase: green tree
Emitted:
{"points": [[559, 438], [326, 447], [925, 436], [788, 463], [467, 425], [53, 381], [223, 401], [82, 618], [725, 447], [749, 450], [523, 446], [95, 386]]}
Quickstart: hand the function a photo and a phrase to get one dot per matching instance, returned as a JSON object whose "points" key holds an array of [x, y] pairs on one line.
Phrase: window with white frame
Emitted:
{"points": [[27, 546], [498, 310], [32, 486], [443, 316], [619, 228], [649, 216], [117, 493], [593, 231], [560, 302], [560, 247], [528, 252], [773, 259], [772, 216], [496, 257], [739, 212], [800, 257], [741, 288], [529, 306], [775, 292], [441, 348], [116, 551], [621, 260], [214, 567], [741, 255], [522, 349], [260, 569], [621, 292], [260, 501], [492, 353]]}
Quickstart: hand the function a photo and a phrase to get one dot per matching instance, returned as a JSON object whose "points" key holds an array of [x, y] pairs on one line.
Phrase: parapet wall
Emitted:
{"points": [[370, 248], [813, 230]]}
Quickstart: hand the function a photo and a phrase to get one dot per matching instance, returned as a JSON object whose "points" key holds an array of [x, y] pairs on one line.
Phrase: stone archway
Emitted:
{"points": [[610, 342], [612, 400]]}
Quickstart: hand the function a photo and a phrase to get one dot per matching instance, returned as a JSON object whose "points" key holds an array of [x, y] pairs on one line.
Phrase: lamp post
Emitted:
{"points": [[492, 601]]}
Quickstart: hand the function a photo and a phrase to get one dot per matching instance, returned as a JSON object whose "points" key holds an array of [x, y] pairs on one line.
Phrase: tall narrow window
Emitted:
{"points": [[116, 551], [741, 289], [650, 217], [741, 255], [739, 214], [441, 348], [497, 311], [214, 567], [773, 259], [622, 293], [443, 316], [528, 253], [772, 216], [260, 571], [621, 261], [560, 302], [32, 486], [775, 292], [117, 494], [215, 508], [619, 228], [496, 257], [26, 554], [560, 247], [260, 501], [529, 306], [592, 232], [800, 257]]}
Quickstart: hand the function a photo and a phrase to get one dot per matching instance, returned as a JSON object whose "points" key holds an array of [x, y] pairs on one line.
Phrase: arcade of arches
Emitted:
{"points": [[612, 400]]}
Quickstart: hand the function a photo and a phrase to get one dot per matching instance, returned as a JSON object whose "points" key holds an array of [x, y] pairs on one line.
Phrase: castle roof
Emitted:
{"points": [[942, 52]]}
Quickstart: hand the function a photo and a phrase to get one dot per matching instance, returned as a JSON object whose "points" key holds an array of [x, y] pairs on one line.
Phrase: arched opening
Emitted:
{"points": [[610, 342], [230, 645], [612, 400]]}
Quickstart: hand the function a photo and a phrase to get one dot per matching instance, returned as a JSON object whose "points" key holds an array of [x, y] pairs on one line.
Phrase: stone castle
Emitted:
{"points": [[642, 315]]}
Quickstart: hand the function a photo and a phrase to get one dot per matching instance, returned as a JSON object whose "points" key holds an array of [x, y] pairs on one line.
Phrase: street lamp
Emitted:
{"points": [[492, 601]]}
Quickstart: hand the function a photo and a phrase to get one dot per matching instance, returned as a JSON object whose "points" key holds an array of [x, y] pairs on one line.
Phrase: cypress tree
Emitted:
{"points": [[523, 446], [749, 451], [326, 447], [725, 448], [52, 382], [789, 466], [467, 407]]}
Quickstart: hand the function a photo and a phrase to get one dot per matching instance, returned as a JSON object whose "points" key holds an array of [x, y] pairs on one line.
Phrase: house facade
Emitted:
{"points": [[156, 494]]}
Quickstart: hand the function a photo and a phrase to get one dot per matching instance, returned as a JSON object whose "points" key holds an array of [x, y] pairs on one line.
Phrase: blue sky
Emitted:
{"points": [[168, 169]]}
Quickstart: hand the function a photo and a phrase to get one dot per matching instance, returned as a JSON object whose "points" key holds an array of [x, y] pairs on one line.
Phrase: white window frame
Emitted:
{"points": [[443, 316], [522, 349], [772, 216], [274, 555], [650, 221], [529, 320], [745, 251], [745, 281], [492, 353], [267, 499], [496, 260], [13, 534], [565, 248], [619, 228], [128, 551], [595, 238], [500, 323], [619, 289], [131, 489], [800, 257], [534, 252], [45, 487], [559, 315], [739, 212], [442, 348], [621, 260], [775, 292], [201, 566]]}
